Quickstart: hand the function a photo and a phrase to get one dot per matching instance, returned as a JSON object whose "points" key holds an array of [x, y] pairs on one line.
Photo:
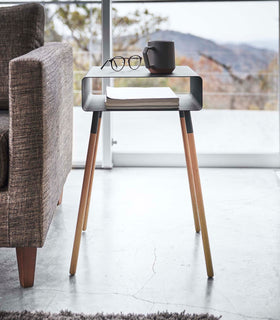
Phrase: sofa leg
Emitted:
{"points": [[60, 198], [26, 259]]}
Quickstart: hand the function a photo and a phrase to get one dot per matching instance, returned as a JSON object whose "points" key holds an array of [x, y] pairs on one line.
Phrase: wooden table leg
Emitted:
{"points": [[85, 191], [92, 174], [190, 172], [201, 213]]}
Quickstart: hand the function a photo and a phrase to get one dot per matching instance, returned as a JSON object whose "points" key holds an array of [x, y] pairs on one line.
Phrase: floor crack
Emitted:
{"points": [[154, 302], [201, 307], [155, 259], [151, 277]]}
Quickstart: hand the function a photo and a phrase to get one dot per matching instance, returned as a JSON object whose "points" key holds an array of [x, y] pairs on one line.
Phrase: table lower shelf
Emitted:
{"points": [[96, 102]]}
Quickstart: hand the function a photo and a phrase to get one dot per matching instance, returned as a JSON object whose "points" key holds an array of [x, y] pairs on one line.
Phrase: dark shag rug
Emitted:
{"points": [[67, 315]]}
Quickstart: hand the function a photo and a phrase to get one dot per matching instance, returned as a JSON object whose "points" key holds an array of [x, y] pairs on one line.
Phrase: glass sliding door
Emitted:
{"points": [[236, 55], [79, 25]]}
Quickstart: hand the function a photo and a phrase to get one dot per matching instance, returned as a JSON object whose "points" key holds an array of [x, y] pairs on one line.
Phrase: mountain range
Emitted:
{"points": [[243, 58]]}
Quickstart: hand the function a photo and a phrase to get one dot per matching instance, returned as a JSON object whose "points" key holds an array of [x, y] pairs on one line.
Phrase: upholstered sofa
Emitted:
{"points": [[36, 102]]}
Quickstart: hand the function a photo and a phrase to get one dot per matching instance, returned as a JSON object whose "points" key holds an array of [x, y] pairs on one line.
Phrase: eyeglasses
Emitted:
{"points": [[118, 62]]}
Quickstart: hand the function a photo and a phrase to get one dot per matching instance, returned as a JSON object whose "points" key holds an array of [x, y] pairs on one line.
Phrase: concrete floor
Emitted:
{"points": [[141, 254]]}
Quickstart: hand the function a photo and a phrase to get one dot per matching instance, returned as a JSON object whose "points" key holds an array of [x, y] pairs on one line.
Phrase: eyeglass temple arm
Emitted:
{"points": [[104, 64]]}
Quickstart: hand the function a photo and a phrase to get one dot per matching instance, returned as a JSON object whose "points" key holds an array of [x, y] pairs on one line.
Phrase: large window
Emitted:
{"points": [[233, 45]]}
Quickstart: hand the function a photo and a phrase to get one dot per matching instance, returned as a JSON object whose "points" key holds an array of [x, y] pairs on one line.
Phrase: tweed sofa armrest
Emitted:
{"points": [[40, 139]]}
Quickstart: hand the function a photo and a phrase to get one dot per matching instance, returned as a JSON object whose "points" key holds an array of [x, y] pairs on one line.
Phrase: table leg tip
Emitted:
{"points": [[72, 271]]}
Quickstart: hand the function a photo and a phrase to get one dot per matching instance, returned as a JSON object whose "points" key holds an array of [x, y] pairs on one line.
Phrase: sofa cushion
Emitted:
{"points": [[21, 30], [4, 148]]}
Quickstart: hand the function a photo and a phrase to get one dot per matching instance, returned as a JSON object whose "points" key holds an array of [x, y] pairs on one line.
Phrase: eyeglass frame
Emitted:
{"points": [[124, 58]]}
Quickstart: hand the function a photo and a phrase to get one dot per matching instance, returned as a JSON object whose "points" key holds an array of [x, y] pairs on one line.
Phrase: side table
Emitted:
{"points": [[188, 102]]}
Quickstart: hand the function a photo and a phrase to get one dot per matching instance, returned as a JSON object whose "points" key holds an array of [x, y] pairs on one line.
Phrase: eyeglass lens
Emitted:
{"points": [[118, 63], [134, 62]]}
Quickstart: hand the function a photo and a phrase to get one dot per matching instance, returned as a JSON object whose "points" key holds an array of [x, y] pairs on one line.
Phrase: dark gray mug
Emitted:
{"points": [[159, 56]]}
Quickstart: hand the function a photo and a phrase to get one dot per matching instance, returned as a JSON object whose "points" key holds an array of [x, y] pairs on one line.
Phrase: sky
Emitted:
{"points": [[249, 22], [222, 22]]}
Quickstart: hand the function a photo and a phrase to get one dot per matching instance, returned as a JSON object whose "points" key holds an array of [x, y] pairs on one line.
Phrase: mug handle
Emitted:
{"points": [[145, 55]]}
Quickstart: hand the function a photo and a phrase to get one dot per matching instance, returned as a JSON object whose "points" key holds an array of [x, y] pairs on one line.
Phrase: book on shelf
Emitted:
{"points": [[141, 98]]}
